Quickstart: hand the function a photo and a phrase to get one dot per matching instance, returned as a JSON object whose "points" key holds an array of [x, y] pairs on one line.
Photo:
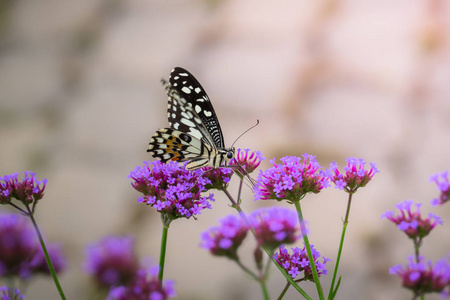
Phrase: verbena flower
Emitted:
{"points": [[291, 180], [225, 239], [112, 260], [27, 190], [171, 189], [146, 286], [423, 277], [217, 178], [355, 176], [18, 245], [298, 262], [443, 184], [411, 222], [274, 226], [246, 160], [10, 294], [38, 263]]}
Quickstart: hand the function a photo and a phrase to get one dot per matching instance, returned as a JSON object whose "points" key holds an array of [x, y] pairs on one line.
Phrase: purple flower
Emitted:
{"points": [[27, 190], [171, 189], [298, 262], [291, 180], [225, 239], [411, 222], [423, 277], [218, 178], [247, 161], [274, 226], [39, 265], [355, 176], [10, 294], [146, 286], [18, 245], [443, 185], [112, 260]]}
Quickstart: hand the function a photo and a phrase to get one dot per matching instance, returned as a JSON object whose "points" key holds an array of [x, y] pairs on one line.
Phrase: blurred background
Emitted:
{"points": [[80, 98]]}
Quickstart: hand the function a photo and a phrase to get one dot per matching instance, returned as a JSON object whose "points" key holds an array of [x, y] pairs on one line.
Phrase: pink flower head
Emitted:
{"points": [[112, 260], [298, 262], [225, 239], [18, 245], [171, 189], [39, 265], [27, 190], [145, 286], [423, 277], [274, 226], [246, 160], [10, 294], [443, 185], [291, 180], [218, 178], [411, 222], [355, 176]]}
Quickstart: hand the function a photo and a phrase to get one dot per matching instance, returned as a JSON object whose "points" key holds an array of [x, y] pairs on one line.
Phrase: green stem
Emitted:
{"points": [[260, 279], [283, 292], [341, 245], [162, 254], [280, 268], [310, 256], [264, 288], [246, 270], [47, 257], [417, 244]]}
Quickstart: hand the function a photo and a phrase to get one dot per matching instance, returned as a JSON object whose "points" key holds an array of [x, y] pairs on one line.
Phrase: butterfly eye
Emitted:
{"points": [[230, 155]]}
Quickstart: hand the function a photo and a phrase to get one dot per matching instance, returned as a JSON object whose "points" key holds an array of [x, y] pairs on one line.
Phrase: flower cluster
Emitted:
{"points": [[171, 189], [18, 244], [291, 180], [38, 264], [27, 190], [225, 239], [298, 262], [112, 260], [423, 277], [20, 253], [145, 285], [246, 162], [10, 294], [411, 222], [443, 185], [274, 226], [355, 176], [218, 177]]}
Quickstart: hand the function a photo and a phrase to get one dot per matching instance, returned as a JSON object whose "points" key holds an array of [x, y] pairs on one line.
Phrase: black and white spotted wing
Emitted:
{"points": [[194, 134], [194, 94]]}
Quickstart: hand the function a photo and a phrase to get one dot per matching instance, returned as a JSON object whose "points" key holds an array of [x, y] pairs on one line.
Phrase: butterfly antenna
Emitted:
{"points": [[257, 122], [243, 172]]}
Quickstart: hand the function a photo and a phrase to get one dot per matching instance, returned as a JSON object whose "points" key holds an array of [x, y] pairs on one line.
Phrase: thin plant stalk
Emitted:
{"points": [[261, 279], [341, 244], [263, 285], [308, 250], [162, 254], [47, 257], [283, 271], [283, 292]]}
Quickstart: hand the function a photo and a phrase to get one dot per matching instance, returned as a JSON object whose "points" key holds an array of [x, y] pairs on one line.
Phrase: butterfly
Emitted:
{"points": [[194, 134]]}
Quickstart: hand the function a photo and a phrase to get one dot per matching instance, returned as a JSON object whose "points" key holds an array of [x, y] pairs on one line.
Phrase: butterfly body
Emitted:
{"points": [[194, 135]]}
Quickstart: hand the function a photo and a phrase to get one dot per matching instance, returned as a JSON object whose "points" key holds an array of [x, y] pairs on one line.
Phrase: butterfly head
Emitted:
{"points": [[227, 154]]}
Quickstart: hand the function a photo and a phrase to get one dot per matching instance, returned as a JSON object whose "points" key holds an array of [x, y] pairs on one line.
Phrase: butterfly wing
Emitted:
{"points": [[193, 103], [168, 144], [183, 118]]}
